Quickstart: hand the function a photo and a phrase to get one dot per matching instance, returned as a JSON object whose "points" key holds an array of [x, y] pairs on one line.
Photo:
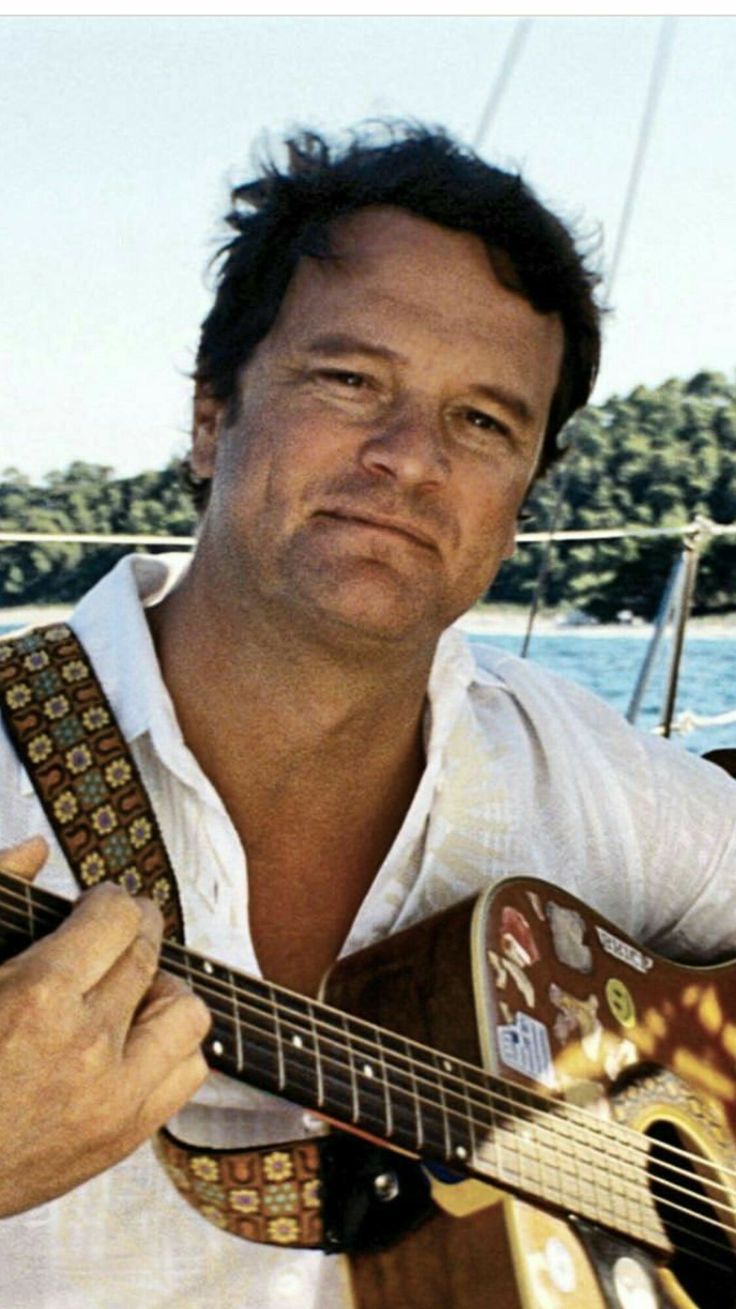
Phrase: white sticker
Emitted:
{"points": [[624, 951], [560, 1264], [634, 1286], [524, 1046]]}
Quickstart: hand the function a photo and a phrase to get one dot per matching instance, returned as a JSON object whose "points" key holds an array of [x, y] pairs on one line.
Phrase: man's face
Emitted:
{"points": [[387, 430]]}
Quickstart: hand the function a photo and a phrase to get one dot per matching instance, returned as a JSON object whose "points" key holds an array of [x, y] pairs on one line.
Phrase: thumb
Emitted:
{"points": [[25, 859]]}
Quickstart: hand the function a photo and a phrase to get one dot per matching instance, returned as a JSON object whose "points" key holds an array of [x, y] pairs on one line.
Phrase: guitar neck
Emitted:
{"points": [[405, 1095]]}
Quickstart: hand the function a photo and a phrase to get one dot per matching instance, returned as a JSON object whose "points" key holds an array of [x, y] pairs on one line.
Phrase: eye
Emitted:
{"points": [[484, 422], [343, 377]]}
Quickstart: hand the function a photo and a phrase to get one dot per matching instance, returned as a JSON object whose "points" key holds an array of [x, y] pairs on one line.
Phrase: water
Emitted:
{"points": [[609, 666]]}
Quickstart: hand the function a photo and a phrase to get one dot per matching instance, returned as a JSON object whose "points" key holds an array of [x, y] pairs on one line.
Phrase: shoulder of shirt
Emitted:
{"points": [[547, 697]]}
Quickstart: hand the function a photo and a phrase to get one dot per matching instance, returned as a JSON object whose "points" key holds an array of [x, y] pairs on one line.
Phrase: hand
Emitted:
{"points": [[97, 1048]]}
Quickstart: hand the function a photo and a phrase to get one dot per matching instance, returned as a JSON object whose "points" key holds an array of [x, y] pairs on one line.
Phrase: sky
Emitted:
{"points": [[120, 137]]}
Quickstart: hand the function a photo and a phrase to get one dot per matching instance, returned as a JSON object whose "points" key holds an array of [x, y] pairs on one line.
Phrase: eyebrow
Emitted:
{"points": [[342, 343], [515, 404]]}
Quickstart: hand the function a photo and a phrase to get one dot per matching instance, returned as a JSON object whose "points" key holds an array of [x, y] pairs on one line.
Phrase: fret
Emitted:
{"points": [[469, 1114], [370, 1080], [281, 1067], [320, 1098], [355, 1108], [404, 1100], [431, 1092], [195, 986], [220, 1042], [453, 1109], [239, 1060], [418, 1116], [300, 1061], [388, 1108], [29, 907]]}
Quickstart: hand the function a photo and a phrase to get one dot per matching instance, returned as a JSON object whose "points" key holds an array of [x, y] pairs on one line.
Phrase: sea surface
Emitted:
{"points": [[609, 666]]}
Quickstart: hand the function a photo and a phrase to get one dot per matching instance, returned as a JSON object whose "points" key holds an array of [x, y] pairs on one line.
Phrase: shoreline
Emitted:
{"points": [[486, 620], [509, 622]]}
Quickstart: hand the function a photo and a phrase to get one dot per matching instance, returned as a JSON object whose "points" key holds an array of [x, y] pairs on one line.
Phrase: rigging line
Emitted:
{"points": [[519, 35], [656, 81], [574, 534]]}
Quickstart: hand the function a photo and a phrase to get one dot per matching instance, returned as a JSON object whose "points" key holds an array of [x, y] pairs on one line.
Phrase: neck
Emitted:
{"points": [[241, 674]]}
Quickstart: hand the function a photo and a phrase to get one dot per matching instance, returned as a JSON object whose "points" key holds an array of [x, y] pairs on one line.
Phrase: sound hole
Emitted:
{"points": [[694, 1207]]}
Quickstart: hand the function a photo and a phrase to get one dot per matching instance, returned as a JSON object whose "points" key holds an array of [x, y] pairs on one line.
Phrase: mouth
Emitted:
{"points": [[381, 523]]}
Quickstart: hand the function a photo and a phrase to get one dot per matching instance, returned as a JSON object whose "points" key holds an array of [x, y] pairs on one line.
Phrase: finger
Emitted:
{"points": [[165, 988], [117, 995], [172, 1093], [100, 929], [168, 1035], [25, 859]]}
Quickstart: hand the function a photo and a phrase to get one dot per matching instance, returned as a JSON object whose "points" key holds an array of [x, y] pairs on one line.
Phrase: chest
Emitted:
{"points": [[301, 908]]}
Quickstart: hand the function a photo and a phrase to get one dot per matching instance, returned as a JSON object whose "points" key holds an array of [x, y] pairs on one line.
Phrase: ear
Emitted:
{"points": [[206, 419]]}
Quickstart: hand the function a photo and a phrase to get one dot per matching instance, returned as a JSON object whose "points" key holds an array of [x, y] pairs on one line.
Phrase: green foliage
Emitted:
{"points": [[83, 498], [654, 458]]}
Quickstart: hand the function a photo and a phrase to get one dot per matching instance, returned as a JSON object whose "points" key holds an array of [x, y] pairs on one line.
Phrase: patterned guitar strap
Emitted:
{"points": [[320, 1193]]}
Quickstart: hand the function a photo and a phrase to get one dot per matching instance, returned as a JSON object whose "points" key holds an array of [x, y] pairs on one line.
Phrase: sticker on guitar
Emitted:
{"points": [[524, 1046]]}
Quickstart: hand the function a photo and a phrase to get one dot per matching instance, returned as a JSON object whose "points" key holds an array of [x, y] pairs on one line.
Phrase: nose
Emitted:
{"points": [[407, 448]]}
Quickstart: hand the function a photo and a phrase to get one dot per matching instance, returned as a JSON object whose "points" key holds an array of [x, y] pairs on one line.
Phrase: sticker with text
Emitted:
{"points": [[524, 1046], [624, 951]]}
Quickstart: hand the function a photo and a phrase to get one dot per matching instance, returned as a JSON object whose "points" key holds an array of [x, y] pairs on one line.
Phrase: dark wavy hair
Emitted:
{"points": [[286, 213]]}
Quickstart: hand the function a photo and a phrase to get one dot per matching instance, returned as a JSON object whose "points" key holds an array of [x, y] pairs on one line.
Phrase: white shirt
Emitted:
{"points": [[525, 775]]}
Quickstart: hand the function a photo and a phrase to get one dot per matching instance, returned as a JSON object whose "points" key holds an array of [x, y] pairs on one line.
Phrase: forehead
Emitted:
{"points": [[406, 281]]}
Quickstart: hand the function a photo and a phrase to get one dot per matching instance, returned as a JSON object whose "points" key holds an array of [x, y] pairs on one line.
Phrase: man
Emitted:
{"points": [[398, 335]]}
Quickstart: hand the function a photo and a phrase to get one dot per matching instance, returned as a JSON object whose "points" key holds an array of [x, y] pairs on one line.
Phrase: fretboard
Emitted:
{"points": [[404, 1094]]}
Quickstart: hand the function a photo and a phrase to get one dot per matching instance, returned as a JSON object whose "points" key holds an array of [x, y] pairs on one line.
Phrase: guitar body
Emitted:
{"points": [[542, 992]]}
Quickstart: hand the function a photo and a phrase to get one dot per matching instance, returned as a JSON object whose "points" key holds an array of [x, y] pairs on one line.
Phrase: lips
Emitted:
{"points": [[385, 523]]}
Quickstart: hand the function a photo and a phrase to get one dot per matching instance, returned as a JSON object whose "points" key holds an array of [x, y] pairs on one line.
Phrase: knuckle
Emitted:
{"points": [[197, 1017], [95, 1054], [41, 991], [110, 901], [142, 957]]}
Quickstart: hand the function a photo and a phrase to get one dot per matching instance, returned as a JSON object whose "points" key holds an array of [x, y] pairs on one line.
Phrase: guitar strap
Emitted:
{"points": [[319, 1193]]}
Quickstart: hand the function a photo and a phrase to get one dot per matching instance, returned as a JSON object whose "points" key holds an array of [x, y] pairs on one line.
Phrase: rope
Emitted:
{"points": [[656, 79], [575, 534], [513, 50], [687, 721]]}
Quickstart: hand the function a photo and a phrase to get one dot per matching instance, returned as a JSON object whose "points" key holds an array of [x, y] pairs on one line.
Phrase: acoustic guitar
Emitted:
{"points": [[573, 1094]]}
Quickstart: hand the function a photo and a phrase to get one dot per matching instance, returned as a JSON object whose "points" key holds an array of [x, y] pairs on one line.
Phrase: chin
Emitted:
{"points": [[376, 620]]}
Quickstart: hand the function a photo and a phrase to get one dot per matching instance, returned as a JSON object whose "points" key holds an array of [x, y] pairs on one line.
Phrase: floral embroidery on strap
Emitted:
{"points": [[81, 767]]}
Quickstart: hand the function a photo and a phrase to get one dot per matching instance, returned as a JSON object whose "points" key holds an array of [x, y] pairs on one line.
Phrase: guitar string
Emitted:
{"points": [[523, 1185], [697, 1252], [592, 1125], [589, 1124]]}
